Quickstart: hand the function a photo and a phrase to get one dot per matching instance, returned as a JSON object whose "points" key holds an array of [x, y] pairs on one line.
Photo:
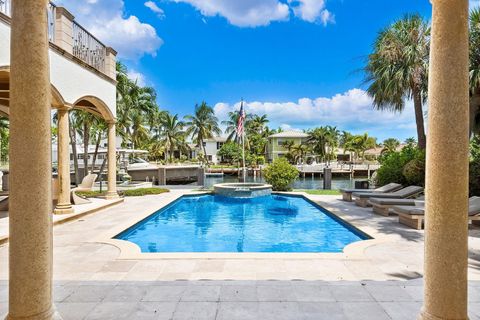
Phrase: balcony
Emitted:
{"points": [[70, 38]]}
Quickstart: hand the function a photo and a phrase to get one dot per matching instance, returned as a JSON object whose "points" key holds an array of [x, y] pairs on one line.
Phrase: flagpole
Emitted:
{"points": [[243, 155]]}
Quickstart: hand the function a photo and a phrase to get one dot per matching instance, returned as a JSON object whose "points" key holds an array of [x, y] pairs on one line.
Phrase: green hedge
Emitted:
{"points": [[143, 192], [126, 193]]}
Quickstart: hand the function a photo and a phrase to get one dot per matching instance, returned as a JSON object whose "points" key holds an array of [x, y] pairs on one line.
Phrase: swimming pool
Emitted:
{"points": [[212, 223]]}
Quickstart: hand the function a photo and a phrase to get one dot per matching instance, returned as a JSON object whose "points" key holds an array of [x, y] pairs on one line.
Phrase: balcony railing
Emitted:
{"points": [[6, 7], [87, 48], [84, 45], [51, 21]]}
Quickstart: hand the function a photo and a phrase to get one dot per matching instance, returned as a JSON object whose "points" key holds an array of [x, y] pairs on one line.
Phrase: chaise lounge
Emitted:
{"points": [[414, 217], [362, 198], [87, 185], [382, 206], [391, 187]]}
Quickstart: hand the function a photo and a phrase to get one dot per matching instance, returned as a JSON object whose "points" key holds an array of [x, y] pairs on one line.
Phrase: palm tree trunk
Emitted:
{"points": [[417, 104], [73, 143], [204, 152], [85, 147], [97, 145]]}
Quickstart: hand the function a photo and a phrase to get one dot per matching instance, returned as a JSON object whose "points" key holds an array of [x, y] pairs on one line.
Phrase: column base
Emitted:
{"points": [[112, 195], [63, 209], [427, 316], [51, 314]]}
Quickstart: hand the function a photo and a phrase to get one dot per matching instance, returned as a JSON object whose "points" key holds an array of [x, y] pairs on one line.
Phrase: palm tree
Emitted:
{"points": [[411, 141], [346, 142], [390, 145], [132, 101], [318, 141], [362, 143], [202, 125], [139, 132], [298, 152], [332, 141], [475, 70], [173, 135], [99, 128], [257, 123], [398, 68]]}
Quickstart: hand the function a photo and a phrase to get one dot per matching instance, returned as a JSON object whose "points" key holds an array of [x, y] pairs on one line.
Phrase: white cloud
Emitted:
{"points": [[137, 76], [287, 127], [312, 11], [106, 20], [155, 8], [244, 13], [254, 13], [351, 111]]}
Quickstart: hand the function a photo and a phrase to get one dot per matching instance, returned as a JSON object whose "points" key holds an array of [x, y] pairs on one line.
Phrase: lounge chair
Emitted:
{"points": [[414, 217], [391, 187], [361, 198], [87, 185], [382, 206]]}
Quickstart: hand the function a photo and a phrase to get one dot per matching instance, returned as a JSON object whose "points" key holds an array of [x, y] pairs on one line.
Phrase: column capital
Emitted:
{"points": [[110, 122], [64, 108]]}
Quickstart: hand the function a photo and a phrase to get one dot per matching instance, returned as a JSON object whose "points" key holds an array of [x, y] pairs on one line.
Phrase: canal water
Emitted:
{"points": [[300, 183]]}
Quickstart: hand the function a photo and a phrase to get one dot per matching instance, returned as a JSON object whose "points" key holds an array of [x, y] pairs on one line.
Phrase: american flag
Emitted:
{"points": [[241, 120]]}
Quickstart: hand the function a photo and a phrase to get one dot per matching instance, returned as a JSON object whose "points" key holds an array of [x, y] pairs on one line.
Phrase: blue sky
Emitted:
{"points": [[298, 61]]}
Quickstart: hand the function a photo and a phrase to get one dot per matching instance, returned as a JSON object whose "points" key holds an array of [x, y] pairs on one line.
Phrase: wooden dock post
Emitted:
{"points": [[327, 179]]}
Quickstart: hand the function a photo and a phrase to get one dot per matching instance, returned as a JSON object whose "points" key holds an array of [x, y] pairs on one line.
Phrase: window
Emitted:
{"points": [[281, 142], [219, 145], [204, 144]]}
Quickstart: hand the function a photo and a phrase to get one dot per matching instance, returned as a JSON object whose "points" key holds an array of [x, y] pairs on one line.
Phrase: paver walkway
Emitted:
{"points": [[243, 300], [91, 282]]}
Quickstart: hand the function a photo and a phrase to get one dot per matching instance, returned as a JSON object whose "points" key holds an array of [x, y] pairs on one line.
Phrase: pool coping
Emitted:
{"points": [[131, 251]]}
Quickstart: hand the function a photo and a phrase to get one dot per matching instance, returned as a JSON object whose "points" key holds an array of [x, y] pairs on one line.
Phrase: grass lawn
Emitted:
{"points": [[320, 192]]}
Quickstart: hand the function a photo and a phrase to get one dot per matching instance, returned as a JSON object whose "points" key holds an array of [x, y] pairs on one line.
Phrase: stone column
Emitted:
{"points": [[63, 206], [446, 227], [30, 279], [112, 162]]}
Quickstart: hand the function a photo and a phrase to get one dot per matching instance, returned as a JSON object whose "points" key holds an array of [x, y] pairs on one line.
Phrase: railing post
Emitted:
{"points": [[64, 29], [111, 63]]}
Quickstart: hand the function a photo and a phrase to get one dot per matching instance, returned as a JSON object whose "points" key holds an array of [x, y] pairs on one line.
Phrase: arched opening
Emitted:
{"points": [[95, 106]]}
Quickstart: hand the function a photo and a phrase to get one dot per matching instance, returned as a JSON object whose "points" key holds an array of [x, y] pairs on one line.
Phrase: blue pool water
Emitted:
{"points": [[211, 223]]}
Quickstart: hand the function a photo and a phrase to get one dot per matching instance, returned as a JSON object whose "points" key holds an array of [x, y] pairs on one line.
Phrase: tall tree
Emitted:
{"points": [[390, 145], [398, 68], [202, 125], [173, 135]]}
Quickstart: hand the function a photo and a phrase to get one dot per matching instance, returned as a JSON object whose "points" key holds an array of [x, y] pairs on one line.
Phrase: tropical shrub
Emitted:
{"points": [[414, 170], [230, 152], [281, 174], [474, 178], [406, 167]]}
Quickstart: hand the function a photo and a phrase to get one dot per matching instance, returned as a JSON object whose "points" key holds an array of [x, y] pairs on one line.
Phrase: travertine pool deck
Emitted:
{"points": [[379, 279]]}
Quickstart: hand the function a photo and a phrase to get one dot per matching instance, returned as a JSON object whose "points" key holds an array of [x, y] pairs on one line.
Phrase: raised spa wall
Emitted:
{"points": [[242, 190]]}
